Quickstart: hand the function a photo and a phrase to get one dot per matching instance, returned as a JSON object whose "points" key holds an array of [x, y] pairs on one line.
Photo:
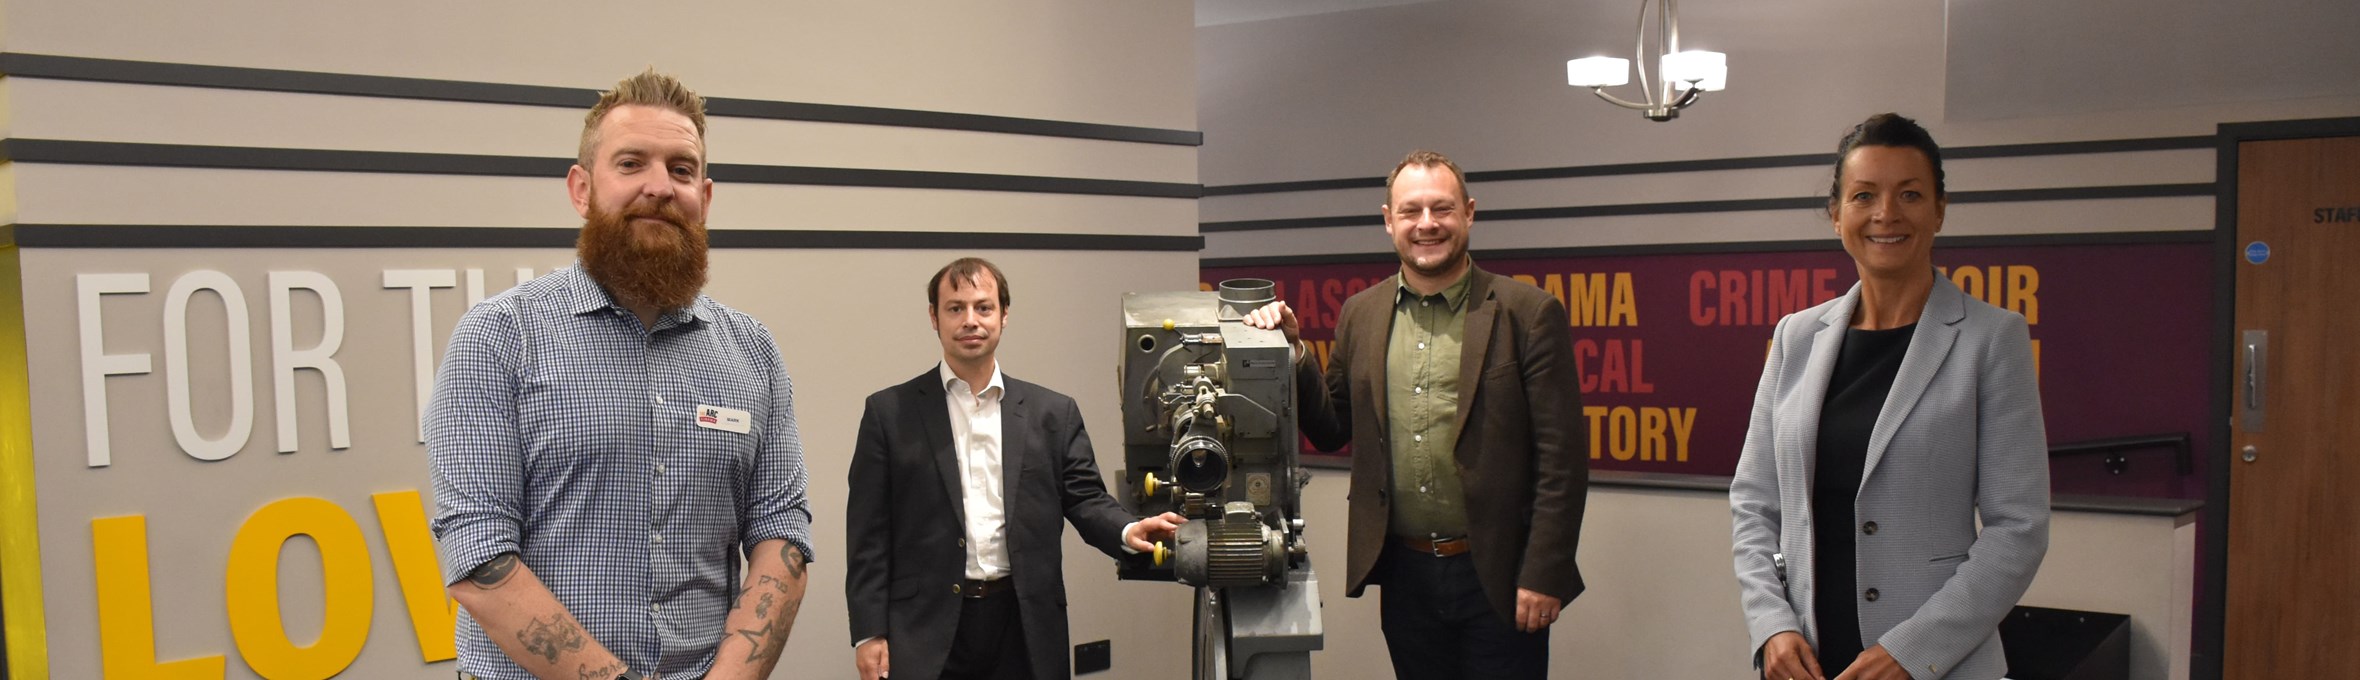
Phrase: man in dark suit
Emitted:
{"points": [[961, 481], [1457, 390]]}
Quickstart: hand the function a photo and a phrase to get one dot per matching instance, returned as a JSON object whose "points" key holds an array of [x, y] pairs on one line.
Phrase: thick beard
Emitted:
{"points": [[665, 271]]}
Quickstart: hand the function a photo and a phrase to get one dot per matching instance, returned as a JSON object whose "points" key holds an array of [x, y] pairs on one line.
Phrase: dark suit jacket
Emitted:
{"points": [[1522, 449], [905, 539]]}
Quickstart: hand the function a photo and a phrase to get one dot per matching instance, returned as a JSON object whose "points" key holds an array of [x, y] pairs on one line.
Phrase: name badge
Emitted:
{"points": [[724, 419]]}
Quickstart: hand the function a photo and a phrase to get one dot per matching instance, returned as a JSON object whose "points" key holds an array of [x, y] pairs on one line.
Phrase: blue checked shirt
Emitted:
{"points": [[564, 432]]}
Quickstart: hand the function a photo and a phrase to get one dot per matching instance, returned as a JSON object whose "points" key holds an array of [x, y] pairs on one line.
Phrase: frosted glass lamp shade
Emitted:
{"points": [[1597, 72], [1708, 70]]}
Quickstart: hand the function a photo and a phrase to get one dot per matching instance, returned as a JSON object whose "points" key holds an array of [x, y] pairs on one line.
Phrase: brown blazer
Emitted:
{"points": [[1522, 450]]}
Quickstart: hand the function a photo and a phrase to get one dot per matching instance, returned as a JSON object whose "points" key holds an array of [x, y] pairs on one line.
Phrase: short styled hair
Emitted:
{"points": [[1425, 159], [649, 88], [961, 271]]}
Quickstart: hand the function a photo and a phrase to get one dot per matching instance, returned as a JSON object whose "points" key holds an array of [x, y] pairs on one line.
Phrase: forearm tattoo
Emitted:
{"points": [[494, 573], [549, 638], [793, 556], [775, 608], [606, 672]]}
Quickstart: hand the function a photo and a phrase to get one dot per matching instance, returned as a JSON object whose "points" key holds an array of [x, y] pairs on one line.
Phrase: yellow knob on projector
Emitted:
{"points": [[1168, 325], [1149, 482], [1161, 553]]}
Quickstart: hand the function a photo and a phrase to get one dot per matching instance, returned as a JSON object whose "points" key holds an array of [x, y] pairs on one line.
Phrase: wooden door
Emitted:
{"points": [[2293, 604]]}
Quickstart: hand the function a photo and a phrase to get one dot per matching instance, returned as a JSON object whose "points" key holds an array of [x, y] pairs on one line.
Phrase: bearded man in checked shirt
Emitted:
{"points": [[604, 440]]}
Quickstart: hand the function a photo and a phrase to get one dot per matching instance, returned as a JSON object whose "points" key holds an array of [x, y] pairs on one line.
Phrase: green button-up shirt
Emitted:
{"points": [[1422, 405]]}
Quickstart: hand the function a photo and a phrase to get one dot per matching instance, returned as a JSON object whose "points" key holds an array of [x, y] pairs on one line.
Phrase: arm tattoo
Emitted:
{"points": [[494, 573], [771, 639], [760, 639], [606, 672], [547, 639], [775, 610], [794, 559]]}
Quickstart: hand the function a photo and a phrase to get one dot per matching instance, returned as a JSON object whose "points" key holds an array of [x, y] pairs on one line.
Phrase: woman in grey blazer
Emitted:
{"points": [[1888, 421]]}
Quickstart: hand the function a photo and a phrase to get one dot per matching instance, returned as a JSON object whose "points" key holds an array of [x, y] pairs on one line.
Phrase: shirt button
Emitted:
{"points": [[1869, 528], [1421, 345], [659, 538], [655, 607], [659, 398], [1871, 594], [1421, 389], [1417, 437], [659, 468]]}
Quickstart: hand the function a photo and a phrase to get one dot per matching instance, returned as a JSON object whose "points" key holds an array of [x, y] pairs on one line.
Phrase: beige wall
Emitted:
{"points": [[847, 320]]}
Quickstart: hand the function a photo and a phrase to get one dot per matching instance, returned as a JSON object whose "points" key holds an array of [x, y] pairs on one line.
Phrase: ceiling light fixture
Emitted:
{"points": [[1680, 76]]}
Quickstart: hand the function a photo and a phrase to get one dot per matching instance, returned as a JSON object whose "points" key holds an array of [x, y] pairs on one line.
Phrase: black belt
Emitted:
{"points": [[974, 589]]}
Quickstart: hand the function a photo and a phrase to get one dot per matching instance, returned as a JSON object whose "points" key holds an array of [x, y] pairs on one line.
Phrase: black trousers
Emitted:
{"points": [[1439, 626], [990, 641]]}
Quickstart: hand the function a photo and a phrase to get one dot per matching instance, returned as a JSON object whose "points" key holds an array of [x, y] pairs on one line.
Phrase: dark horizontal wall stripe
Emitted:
{"points": [[337, 160], [392, 87], [2084, 193], [1997, 241], [925, 179], [1745, 163], [1737, 205], [871, 115], [2076, 148], [258, 236], [256, 158]]}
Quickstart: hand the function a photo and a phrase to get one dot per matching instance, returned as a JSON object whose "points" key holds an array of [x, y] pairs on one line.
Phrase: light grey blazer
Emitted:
{"points": [[1960, 435]]}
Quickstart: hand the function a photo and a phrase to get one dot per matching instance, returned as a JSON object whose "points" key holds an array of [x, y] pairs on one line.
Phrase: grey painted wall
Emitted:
{"points": [[1346, 94]]}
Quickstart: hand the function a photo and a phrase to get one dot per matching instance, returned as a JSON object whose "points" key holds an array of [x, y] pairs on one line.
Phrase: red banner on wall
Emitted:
{"points": [[1670, 347]]}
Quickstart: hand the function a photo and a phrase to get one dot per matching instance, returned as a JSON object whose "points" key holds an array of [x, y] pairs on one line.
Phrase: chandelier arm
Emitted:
{"points": [[1688, 98], [1671, 26], [1618, 101], [1639, 58], [1667, 43]]}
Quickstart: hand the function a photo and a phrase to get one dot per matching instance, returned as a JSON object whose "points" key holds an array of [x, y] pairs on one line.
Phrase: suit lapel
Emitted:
{"points": [[1016, 445], [1937, 331], [1811, 393], [1474, 340], [935, 412], [1371, 333]]}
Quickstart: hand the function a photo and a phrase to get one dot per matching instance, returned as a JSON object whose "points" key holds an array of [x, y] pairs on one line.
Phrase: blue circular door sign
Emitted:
{"points": [[2257, 252]]}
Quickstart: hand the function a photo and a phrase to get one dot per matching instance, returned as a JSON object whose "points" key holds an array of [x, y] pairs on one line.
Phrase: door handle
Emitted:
{"points": [[2257, 364]]}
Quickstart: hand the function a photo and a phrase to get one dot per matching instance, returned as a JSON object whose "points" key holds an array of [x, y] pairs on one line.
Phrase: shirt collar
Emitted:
{"points": [[952, 384], [1453, 296], [586, 296]]}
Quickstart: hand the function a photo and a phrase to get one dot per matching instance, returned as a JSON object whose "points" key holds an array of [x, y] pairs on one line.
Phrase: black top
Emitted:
{"points": [[1855, 394]]}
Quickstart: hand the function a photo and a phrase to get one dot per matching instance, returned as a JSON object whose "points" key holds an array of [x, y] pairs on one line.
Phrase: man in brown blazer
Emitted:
{"points": [[1456, 388]]}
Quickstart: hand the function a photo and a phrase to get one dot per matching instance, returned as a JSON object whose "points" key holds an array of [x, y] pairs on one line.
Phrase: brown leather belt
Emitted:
{"points": [[1441, 547], [973, 589]]}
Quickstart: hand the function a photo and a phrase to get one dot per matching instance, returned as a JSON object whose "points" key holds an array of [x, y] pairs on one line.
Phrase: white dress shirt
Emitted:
{"points": [[975, 435]]}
